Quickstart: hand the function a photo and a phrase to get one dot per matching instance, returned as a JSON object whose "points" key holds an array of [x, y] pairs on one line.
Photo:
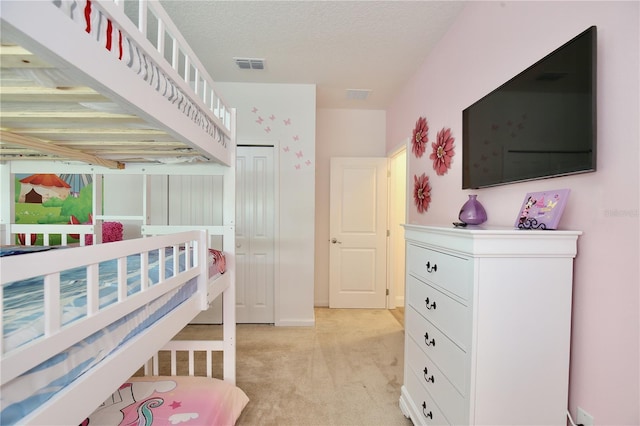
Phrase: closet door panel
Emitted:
{"points": [[255, 248]]}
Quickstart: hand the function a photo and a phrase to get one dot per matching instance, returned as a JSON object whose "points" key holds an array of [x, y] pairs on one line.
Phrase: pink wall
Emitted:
{"points": [[488, 44]]}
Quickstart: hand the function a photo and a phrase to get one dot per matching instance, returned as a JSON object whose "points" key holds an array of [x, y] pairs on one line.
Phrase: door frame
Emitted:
{"points": [[275, 144], [392, 265]]}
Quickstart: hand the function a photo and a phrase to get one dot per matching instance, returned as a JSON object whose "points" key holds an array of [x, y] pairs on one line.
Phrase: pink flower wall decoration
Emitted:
{"points": [[442, 151], [421, 192], [419, 138]]}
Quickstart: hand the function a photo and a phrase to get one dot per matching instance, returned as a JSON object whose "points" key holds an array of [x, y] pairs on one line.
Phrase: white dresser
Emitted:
{"points": [[487, 325]]}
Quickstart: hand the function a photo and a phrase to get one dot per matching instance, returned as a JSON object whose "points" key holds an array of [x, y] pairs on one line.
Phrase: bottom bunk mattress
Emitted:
{"points": [[171, 400], [30, 390], [20, 318]]}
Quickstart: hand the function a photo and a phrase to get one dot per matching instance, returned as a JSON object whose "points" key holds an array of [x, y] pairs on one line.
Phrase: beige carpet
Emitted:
{"points": [[347, 370]]}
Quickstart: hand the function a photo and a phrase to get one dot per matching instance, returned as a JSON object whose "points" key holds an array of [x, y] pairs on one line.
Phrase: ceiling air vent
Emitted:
{"points": [[249, 63], [358, 94]]}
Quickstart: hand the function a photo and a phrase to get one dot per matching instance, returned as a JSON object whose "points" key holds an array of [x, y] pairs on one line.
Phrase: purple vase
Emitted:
{"points": [[472, 212]]}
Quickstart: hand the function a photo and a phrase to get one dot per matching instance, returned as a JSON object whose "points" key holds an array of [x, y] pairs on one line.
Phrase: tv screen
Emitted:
{"points": [[539, 124]]}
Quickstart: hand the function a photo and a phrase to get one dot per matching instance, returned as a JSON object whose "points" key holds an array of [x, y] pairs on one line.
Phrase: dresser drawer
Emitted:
{"points": [[428, 412], [450, 316], [452, 273], [451, 402], [450, 358]]}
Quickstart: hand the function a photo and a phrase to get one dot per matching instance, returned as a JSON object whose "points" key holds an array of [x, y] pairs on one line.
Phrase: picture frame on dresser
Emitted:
{"points": [[542, 210]]}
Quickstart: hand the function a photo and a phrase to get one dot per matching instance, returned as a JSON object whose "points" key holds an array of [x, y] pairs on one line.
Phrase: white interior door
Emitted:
{"points": [[358, 233], [255, 189]]}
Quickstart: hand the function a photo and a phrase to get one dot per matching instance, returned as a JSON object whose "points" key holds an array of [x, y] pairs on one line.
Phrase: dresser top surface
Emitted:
{"points": [[489, 230], [495, 241]]}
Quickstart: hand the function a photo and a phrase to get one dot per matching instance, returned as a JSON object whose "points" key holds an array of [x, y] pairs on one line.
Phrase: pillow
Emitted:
{"points": [[216, 257], [168, 400]]}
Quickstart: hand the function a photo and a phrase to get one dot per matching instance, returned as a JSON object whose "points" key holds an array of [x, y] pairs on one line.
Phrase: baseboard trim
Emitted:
{"points": [[296, 323]]}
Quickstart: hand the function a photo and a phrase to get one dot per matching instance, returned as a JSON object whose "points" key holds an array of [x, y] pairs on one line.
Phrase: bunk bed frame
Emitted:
{"points": [[109, 87]]}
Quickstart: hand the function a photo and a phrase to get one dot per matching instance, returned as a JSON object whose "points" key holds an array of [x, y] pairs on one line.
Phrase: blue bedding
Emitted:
{"points": [[23, 301], [14, 250], [22, 319]]}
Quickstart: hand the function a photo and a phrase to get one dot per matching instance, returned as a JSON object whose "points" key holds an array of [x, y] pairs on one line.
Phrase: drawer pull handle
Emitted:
{"points": [[430, 306], [430, 268], [428, 342], [428, 415], [428, 379]]}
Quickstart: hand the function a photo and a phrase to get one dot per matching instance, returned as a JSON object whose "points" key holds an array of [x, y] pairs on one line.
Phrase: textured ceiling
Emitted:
{"points": [[337, 45]]}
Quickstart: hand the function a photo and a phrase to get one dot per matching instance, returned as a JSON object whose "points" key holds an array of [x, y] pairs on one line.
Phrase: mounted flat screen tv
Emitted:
{"points": [[539, 124]]}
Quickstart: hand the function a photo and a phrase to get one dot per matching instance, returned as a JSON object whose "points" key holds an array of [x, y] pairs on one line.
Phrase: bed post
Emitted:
{"points": [[229, 311], [7, 205], [229, 247], [96, 207], [203, 282]]}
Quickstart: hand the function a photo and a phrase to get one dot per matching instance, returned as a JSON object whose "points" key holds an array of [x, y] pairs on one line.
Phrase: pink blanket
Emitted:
{"points": [[171, 400]]}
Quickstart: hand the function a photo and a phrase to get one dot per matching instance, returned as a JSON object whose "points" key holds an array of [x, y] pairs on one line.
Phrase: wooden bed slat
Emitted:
{"points": [[51, 148]]}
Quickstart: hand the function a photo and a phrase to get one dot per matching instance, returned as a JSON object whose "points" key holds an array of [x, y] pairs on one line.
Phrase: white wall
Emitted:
{"points": [[124, 203], [340, 133], [285, 115], [488, 44]]}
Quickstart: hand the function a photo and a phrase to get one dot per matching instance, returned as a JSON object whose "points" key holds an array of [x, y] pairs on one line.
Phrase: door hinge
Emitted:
{"points": [[387, 292], [388, 233]]}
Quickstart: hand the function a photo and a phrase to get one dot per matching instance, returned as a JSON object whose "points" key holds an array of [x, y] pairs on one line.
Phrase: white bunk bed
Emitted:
{"points": [[108, 88]]}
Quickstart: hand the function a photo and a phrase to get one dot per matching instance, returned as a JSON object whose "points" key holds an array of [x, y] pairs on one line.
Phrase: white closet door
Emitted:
{"points": [[255, 234]]}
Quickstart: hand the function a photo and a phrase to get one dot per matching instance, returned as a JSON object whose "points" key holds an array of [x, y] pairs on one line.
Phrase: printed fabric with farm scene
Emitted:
{"points": [[53, 199]]}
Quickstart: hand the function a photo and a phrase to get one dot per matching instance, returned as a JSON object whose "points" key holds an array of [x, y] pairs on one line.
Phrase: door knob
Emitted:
{"points": [[335, 241]]}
